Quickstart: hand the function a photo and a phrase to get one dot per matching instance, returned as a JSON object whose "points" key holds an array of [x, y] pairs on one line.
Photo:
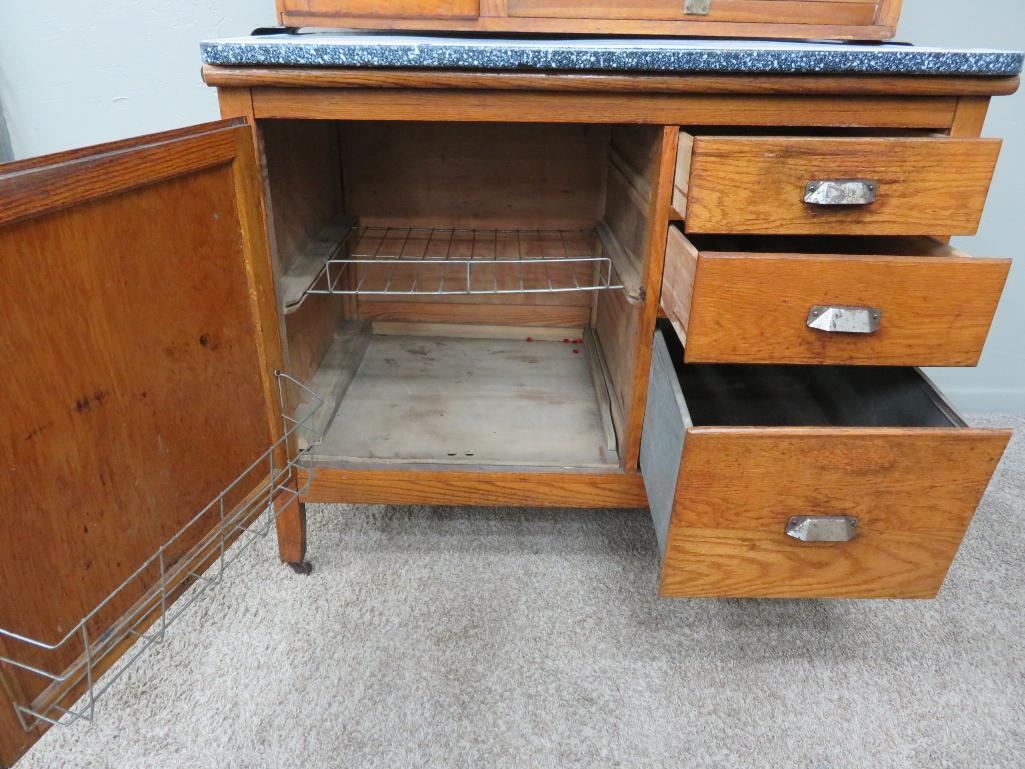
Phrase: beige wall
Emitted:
{"points": [[998, 384]]}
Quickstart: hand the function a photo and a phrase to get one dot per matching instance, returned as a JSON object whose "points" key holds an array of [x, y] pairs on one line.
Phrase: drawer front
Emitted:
{"points": [[831, 308], [723, 504], [384, 9], [841, 186], [770, 12]]}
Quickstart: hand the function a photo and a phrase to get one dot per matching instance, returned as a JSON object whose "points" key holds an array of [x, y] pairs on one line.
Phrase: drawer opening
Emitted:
{"points": [[824, 244], [730, 395], [801, 482], [457, 292]]}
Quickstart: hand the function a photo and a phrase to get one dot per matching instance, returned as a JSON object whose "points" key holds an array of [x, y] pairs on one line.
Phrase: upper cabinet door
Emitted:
{"points": [[139, 337]]}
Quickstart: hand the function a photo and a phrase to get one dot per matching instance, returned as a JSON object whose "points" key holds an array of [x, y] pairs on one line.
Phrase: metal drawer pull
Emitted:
{"points": [[838, 319], [697, 7], [822, 528], [841, 192]]}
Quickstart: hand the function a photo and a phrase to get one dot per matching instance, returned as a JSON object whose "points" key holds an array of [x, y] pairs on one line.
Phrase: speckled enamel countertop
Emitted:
{"points": [[355, 49]]}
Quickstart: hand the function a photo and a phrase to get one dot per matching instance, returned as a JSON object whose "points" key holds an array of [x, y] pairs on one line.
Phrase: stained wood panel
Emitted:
{"points": [[843, 13], [135, 296], [642, 160], [476, 178], [752, 308], [738, 487], [756, 185], [678, 278], [386, 8], [607, 108], [478, 486], [809, 19], [845, 85], [304, 178]]}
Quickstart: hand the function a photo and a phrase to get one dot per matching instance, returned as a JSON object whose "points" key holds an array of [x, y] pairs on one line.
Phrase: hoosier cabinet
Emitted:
{"points": [[688, 276]]}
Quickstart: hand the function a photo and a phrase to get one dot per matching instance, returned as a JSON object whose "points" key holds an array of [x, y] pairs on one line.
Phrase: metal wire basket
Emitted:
{"points": [[226, 529]]}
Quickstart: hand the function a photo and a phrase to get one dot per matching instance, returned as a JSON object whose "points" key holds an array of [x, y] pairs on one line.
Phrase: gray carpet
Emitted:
{"points": [[432, 637]]}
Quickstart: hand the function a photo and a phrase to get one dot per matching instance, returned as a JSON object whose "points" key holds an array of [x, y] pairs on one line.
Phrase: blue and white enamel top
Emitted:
{"points": [[677, 55]]}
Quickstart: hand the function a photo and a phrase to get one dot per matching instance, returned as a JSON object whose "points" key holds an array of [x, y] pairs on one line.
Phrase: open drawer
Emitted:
{"points": [[810, 185], [855, 301], [807, 482]]}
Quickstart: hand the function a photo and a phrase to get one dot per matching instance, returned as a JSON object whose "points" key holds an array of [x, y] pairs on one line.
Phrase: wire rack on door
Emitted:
{"points": [[227, 529], [441, 261]]}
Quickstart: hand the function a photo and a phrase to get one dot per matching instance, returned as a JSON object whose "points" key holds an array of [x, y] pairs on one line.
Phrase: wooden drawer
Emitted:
{"points": [[734, 456], [846, 13], [385, 9], [895, 301], [880, 186]]}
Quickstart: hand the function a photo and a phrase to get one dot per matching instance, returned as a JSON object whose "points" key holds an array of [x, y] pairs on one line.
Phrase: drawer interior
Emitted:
{"points": [[720, 395]]}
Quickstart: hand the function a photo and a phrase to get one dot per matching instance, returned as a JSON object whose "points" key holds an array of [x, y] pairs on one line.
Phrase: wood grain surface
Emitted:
{"points": [[147, 332], [753, 308], [829, 85], [476, 487], [810, 19], [756, 185], [443, 105], [914, 492]]}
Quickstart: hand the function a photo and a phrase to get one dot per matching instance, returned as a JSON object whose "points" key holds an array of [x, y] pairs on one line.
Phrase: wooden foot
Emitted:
{"points": [[302, 567], [291, 525]]}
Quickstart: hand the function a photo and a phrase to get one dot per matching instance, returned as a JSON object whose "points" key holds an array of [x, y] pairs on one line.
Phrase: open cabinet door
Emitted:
{"points": [[140, 342]]}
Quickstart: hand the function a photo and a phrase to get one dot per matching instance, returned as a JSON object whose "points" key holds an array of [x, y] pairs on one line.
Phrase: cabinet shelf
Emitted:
{"points": [[438, 261]]}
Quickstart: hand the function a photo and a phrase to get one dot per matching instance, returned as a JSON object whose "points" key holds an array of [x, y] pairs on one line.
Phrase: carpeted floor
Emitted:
{"points": [[432, 637]]}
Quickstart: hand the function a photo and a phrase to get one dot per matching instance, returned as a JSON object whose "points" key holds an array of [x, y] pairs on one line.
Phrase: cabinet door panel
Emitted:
{"points": [[136, 326]]}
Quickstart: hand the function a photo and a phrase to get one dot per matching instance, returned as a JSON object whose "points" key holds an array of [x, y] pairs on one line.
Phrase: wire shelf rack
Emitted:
{"points": [[227, 530], [438, 261]]}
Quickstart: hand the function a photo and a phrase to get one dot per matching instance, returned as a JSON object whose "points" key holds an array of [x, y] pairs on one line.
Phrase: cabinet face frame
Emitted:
{"points": [[319, 94]]}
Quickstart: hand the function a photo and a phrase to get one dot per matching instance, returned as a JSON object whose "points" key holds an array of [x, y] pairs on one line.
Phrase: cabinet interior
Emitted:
{"points": [[483, 279]]}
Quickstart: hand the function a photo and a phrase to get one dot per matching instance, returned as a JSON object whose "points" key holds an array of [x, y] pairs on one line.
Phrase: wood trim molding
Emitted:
{"points": [[43, 185], [520, 488], [819, 85], [936, 113]]}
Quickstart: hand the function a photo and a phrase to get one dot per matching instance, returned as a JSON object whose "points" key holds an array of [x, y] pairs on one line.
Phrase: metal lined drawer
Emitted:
{"points": [[807, 482]]}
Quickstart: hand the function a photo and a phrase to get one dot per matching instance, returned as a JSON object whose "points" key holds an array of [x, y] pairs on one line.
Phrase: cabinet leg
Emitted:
{"points": [[291, 527]]}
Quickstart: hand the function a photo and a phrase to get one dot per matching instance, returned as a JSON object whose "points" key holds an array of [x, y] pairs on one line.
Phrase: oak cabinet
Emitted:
{"points": [[386, 291]]}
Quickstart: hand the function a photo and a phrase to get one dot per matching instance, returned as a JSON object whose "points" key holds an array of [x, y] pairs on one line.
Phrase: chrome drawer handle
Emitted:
{"points": [[822, 528], [841, 192], [838, 319]]}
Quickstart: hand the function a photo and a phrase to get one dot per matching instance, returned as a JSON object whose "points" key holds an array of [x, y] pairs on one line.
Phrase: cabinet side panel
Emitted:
{"points": [[626, 329], [304, 183]]}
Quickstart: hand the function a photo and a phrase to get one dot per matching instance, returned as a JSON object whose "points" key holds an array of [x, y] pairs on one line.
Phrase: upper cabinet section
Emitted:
{"points": [[382, 10], [804, 19]]}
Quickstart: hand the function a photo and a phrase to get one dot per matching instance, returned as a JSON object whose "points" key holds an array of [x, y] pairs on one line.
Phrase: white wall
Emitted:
{"points": [[74, 73], [998, 384], [78, 72]]}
